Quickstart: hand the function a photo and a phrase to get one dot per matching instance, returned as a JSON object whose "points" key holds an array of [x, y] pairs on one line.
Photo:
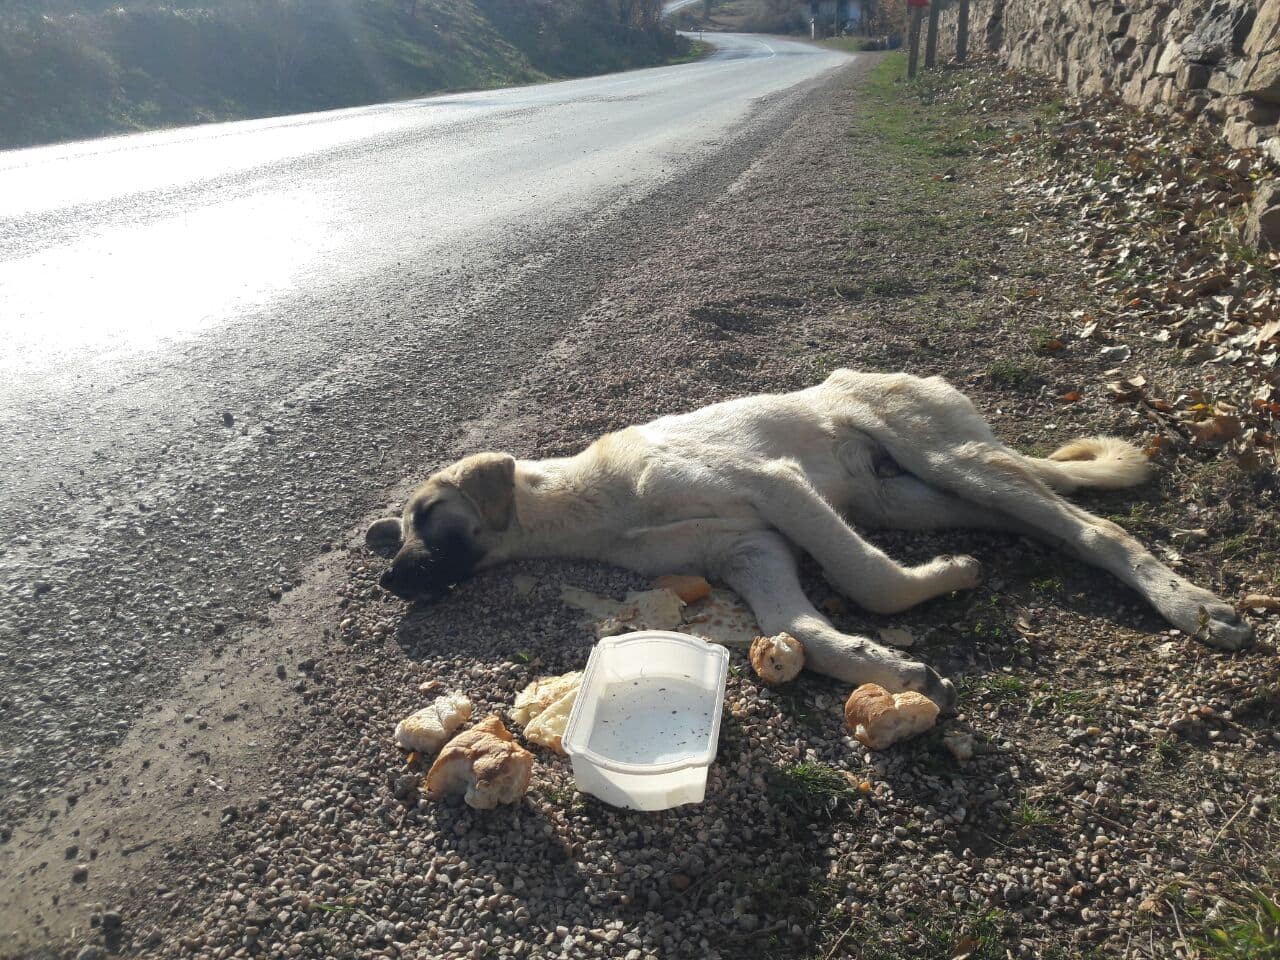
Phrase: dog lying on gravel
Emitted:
{"points": [[732, 492]]}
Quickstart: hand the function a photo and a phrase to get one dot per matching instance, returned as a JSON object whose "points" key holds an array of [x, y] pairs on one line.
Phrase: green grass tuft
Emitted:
{"points": [[812, 789], [994, 688], [1249, 930], [1031, 815], [1010, 374]]}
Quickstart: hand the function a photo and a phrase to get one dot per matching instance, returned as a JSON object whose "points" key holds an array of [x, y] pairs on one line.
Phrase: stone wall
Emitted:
{"points": [[1214, 60]]}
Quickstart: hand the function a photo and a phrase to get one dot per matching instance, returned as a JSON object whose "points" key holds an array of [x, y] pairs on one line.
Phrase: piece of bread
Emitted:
{"points": [[687, 588], [540, 694], [880, 719], [659, 609], [430, 728], [547, 728], [484, 764], [777, 659]]}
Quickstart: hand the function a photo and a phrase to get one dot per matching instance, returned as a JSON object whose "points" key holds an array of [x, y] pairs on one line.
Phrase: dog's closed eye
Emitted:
{"points": [[884, 465]]}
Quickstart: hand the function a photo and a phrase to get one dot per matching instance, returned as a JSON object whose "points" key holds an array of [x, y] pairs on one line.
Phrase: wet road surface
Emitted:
{"points": [[122, 245], [223, 346]]}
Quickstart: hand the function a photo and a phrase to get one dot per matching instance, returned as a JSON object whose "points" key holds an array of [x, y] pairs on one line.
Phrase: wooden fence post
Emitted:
{"points": [[931, 41], [913, 43], [962, 32]]}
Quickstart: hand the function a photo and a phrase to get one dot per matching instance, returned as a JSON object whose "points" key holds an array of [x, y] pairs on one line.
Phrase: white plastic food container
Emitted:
{"points": [[644, 728]]}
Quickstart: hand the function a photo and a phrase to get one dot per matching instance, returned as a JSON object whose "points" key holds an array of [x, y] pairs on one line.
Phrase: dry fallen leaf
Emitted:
{"points": [[897, 637], [1126, 391], [1116, 354], [1265, 333], [1216, 431], [1140, 200], [1152, 906]]}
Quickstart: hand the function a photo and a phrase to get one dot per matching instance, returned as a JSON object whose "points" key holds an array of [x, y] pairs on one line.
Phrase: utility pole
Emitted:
{"points": [[931, 42], [913, 36], [962, 32]]}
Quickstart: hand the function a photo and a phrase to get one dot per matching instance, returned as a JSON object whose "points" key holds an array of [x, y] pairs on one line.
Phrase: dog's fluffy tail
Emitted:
{"points": [[1101, 462]]}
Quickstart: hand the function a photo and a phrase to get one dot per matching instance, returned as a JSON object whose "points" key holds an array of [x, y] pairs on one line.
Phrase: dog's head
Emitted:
{"points": [[449, 524]]}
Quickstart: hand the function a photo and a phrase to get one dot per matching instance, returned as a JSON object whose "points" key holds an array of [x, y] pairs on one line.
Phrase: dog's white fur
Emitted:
{"points": [[733, 490]]}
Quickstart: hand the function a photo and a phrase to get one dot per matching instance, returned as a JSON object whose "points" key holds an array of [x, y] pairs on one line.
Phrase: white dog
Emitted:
{"points": [[734, 490]]}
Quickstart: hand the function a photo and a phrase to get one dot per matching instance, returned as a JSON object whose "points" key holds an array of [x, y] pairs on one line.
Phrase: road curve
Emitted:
{"points": [[671, 6], [222, 346]]}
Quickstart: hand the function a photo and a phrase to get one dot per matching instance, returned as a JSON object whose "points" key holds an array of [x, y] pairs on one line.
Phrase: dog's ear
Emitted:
{"points": [[488, 480]]}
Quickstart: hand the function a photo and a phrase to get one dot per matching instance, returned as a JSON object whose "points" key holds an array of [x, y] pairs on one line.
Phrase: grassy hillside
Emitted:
{"points": [[80, 68], [883, 17]]}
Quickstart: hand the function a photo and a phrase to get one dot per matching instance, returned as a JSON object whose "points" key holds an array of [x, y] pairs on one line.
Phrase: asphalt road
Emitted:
{"points": [[221, 347]]}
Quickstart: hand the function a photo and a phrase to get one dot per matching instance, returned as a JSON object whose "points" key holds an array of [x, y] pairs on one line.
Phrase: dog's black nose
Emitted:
{"points": [[394, 581]]}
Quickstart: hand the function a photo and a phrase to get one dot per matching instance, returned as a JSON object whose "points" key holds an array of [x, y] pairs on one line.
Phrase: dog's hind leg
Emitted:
{"points": [[904, 502], [784, 498], [761, 568], [997, 478]]}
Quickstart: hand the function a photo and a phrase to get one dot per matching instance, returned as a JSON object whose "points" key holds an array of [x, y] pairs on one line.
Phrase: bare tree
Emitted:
{"points": [[281, 23]]}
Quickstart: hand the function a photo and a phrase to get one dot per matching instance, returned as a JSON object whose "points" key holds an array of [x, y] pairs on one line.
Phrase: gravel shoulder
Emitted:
{"points": [[1120, 801]]}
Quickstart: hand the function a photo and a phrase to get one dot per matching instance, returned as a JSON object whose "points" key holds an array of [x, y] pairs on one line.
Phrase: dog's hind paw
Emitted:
{"points": [[1202, 615], [947, 574], [1221, 626]]}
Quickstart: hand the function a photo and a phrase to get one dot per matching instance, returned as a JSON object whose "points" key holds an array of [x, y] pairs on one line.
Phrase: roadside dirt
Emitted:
{"points": [[183, 771], [1121, 797]]}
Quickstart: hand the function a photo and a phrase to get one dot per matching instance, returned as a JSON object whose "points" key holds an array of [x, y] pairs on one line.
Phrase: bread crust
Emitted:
{"points": [[542, 693], [688, 588], [430, 728], [879, 719], [547, 728], [485, 764], [777, 659]]}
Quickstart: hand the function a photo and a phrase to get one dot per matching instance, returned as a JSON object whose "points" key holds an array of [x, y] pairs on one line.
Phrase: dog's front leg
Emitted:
{"points": [[761, 568]]}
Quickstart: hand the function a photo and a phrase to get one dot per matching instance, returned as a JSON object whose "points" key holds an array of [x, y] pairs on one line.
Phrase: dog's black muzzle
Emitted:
{"points": [[421, 572]]}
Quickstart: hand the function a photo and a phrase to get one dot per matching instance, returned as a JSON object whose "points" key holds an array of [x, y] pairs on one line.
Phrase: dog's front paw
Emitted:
{"points": [[942, 692], [924, 679], [966, 572]]}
